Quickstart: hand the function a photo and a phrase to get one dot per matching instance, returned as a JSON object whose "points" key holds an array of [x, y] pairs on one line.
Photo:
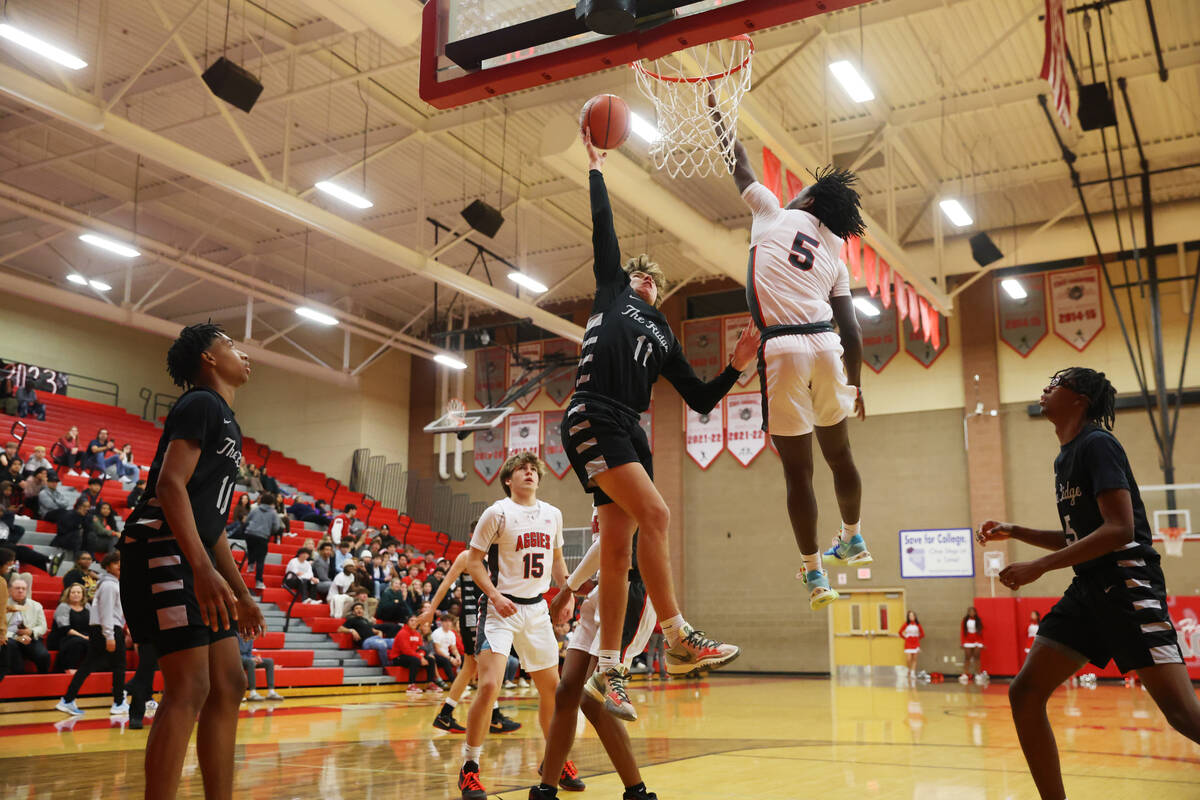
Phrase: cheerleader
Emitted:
{"points": [[972, 645], [1035, 619], [912, 633]]}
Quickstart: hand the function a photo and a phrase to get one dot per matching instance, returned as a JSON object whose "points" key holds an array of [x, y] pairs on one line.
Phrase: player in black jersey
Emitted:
{"points": [[627, 345], [180, 587], [1116, 606]]}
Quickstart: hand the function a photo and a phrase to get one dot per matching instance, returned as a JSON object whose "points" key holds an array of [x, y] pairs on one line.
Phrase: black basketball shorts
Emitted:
{"points": [[467, 628], [158, 597], [597, 438], [1118, 613]]}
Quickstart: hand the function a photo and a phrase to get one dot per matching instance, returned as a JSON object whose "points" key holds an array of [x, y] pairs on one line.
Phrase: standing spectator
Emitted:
{"points": [[72, 528], [26, 630], [340, 590], [27, 403], [52, 501], [342, 523], [70, 633], [972, 645], [365, 635], [656, 652], [912, 633], [127, 469], [106, 645], [406, 652], [135, 494], [261, 524], [103, 528], [393, 602], [100, 455], [83, 574], [69, 452], [324, 567], [251, 661], [300, 578], [9, 455], [445, 647], [38, 460]]}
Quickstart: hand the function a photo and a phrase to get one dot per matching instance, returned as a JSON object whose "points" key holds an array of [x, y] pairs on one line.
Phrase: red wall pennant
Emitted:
{"points": [[705, 435], [914, 309], [744, 436], [926, 319], [885, 283], [854, 251], [870, 271], [794, 185], [901, 295], [935, 338], [771, 177]]}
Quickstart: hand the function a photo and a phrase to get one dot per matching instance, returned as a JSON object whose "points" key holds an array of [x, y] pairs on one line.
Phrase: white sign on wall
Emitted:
{"points": [[940, 553]]}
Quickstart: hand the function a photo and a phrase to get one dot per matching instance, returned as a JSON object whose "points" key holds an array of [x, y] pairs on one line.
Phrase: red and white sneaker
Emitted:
{"points": [[608, 687], [696, 651]]}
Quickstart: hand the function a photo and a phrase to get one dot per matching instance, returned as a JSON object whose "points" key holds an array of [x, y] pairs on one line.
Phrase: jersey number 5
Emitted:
{"points": [[802, 254], [533, 565]]}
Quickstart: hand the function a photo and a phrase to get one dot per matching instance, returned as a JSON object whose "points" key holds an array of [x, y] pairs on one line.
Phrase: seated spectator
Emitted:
{"points": [[11, 532], [6, 457], [269, 484], [106, 641], [69, 452], [27, 403], [26, 630], [393, 602], [342, 523], [104, 528], [445, 647], [15, 474], [237, 518], [69, 636], [302, 512], [135, 494], [426, 595], [359, 593], [300, 578], [364, 633], [413, 576], [38, 460], [364, 576], [32, 486], [261, 524], [324, 567], [127, 469], [72, 528], [53, 502], [100, 455], [389, 541], [83, 574], [341, 555], [341, 590], [251, 661], [92, 492], [406, 651]]}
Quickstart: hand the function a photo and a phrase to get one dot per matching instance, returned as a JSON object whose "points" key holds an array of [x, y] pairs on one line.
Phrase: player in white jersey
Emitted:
{"points": [[522, 539], [797, 288]]}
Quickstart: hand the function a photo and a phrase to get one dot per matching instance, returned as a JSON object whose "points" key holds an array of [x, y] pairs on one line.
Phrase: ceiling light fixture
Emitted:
{"points": [[1014, 289], [112, 246], [955, 212], [521, 279], [866, 306], [643, 129], [99, 286], [316, 316], [449, 361], [75, 277], [851, 81], [40, 46], [345, 195]]}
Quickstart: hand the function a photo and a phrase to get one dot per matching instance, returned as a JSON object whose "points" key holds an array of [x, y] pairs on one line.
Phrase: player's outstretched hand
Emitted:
{"points": [[595, 157], [218, 606], [250, 620], [746, 349], [425, 618], [561, 606], [503, 606], [1014, 576], [993, 531]]}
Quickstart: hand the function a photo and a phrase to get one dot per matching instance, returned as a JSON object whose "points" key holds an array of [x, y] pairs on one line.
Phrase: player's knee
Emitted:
{"points": [[1023, 695], [655, 519], [191, 693], [1184, 719]]}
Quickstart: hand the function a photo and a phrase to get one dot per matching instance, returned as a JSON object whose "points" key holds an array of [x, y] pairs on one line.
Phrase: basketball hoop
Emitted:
{"points": [[456, 411], [679, 85], [1173, 540]]}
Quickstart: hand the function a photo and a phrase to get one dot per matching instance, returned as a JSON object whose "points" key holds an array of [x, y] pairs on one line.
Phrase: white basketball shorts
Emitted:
{"points": [[529, 631], [640, 619], [805, 384]]}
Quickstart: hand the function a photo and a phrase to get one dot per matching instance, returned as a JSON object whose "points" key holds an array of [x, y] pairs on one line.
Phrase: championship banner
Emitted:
{"points": [[733, 329], [880, 338], [524, 433], [1022, 322], [647, 423], [1075, 303], [489, 453], [705, 435], [562, 383], [702, 346], [744, 436], [918, 348], [529, 350], [490, 375], [554, 454]]}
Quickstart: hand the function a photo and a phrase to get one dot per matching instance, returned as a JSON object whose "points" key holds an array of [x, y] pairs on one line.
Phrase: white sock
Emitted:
{"points": [[496, 705], [607, 659], [673, 629], [450, 701], [472, 753], [812, 561], [848, 531]]}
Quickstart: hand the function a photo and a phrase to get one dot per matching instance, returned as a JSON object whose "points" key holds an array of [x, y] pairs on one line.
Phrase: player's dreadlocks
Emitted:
{"points": [[183, 359], [834, 201], [1102, 397]]}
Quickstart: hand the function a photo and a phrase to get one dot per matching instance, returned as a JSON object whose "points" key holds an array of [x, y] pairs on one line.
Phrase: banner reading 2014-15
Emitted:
{"points": [[1075, 303]]}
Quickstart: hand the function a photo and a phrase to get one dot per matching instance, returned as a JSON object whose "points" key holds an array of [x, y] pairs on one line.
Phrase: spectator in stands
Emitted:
{"points": [[342, 524], [15, 473], [302, 512], [27, 403], [261, 524], [11, 532], [426, 595], [341, 555], [365, 635], [127, 469], [365, 574], [26, 630], [299, 577], [251, 661], [92, 492], [106, 641], [389, 541], [393, 602], [69, 452], [237, 518], [445, 647], [32, 486], [413, 576], [72, 527], [53, 502], [38, 460], [100, 455], [406, 651], [10, 453], [135, 494], [340, 589], [324, 567], [83, 574], [69, 636], [104, 528], [269, 484]]}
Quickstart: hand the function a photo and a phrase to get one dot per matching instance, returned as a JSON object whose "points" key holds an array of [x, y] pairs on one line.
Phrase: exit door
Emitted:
{"points": [[865, 628]]}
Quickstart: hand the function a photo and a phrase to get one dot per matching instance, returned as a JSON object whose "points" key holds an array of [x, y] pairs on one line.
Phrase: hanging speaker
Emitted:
{"points": [[608, 17], [483, 217], [984, 250], [233, 84], [1096, 107]]}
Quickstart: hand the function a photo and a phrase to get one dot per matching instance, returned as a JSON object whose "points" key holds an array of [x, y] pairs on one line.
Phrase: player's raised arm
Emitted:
{"points": [[703, 396], [457, 568], [743, 173], [606, 251]]}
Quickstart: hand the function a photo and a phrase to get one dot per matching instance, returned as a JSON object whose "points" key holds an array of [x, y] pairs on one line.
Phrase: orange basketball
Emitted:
{"points": [[607, 116]]}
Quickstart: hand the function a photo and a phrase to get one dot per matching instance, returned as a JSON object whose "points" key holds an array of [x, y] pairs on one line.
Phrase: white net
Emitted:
{"points": [[679, 85], [456, 411]]}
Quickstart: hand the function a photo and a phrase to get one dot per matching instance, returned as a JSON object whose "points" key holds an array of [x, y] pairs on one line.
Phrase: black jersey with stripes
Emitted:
{"points": [[470, 600], [627, 343], [1091, 463], [203, 416]]}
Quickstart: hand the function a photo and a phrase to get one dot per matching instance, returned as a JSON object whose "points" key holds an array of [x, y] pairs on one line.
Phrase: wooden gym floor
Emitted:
{"points": [[730, 736]]}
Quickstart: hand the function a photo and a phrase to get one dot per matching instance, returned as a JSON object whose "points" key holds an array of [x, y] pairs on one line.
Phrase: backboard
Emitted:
{"points": [[475, 49], [479, 419]]}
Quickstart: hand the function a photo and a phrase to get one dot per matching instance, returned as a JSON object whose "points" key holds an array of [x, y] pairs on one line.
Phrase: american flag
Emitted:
{"points": [[1054, 62]]}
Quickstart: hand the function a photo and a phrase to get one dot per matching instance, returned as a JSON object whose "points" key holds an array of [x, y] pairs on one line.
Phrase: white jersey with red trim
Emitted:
{"points": [[795, 264], [525, 538]]}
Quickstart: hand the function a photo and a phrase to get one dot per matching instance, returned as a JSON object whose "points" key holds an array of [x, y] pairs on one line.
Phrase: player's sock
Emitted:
{"points": [[496, 710], [447, 708], [848, 531], [673, 629], [812, 562], [607, 659], [636, 788], [472, 753]]}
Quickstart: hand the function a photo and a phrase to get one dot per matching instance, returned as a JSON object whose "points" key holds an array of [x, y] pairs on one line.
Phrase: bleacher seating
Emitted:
{"points": [[311, 653]]}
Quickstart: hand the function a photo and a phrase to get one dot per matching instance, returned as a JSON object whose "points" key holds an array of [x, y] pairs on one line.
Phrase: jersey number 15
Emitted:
{"points": [[533, 565], [802, 255]]}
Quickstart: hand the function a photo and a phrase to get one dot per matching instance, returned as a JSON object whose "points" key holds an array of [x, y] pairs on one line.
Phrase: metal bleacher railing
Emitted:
{"points": [[161, 401]]}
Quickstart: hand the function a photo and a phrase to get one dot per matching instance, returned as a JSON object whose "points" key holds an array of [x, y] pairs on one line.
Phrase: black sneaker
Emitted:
{"points": [[640, 793], [503, 724], [569, 780], [538, 793], [447, 723], [468, 782], [137, 711]]}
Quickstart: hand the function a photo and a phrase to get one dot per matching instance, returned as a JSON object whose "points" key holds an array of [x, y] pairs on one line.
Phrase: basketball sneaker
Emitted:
{"points": [[569, 779], [820, 594], [68, 708], [696, 651], [468, 782], [639, 792], [503, 724], [448, 723], [538, 793], [852, 551], [608, 687]]}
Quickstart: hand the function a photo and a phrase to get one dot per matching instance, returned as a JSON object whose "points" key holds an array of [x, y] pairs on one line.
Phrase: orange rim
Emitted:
{"points": [[741, 37]]}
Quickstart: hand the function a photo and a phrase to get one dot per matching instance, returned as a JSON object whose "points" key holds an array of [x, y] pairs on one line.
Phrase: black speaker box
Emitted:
{"points": [[608, 17], [984, 250], [233, 84], [1096, 107], [483, 217]]}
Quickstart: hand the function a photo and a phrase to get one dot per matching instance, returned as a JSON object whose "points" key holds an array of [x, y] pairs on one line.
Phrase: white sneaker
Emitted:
{"points": [[117, 710], [260, 585], [964, 678], [255, 697], [68, 708], [273, 695], [524, 684], [509, 685]]}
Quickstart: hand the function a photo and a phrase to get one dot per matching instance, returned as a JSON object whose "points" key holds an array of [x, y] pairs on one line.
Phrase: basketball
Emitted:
{"points": [[607, 116]]}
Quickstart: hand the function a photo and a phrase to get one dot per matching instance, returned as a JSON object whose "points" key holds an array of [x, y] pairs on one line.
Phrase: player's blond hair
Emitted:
{"points": [[643, 263], [516, 462]]}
